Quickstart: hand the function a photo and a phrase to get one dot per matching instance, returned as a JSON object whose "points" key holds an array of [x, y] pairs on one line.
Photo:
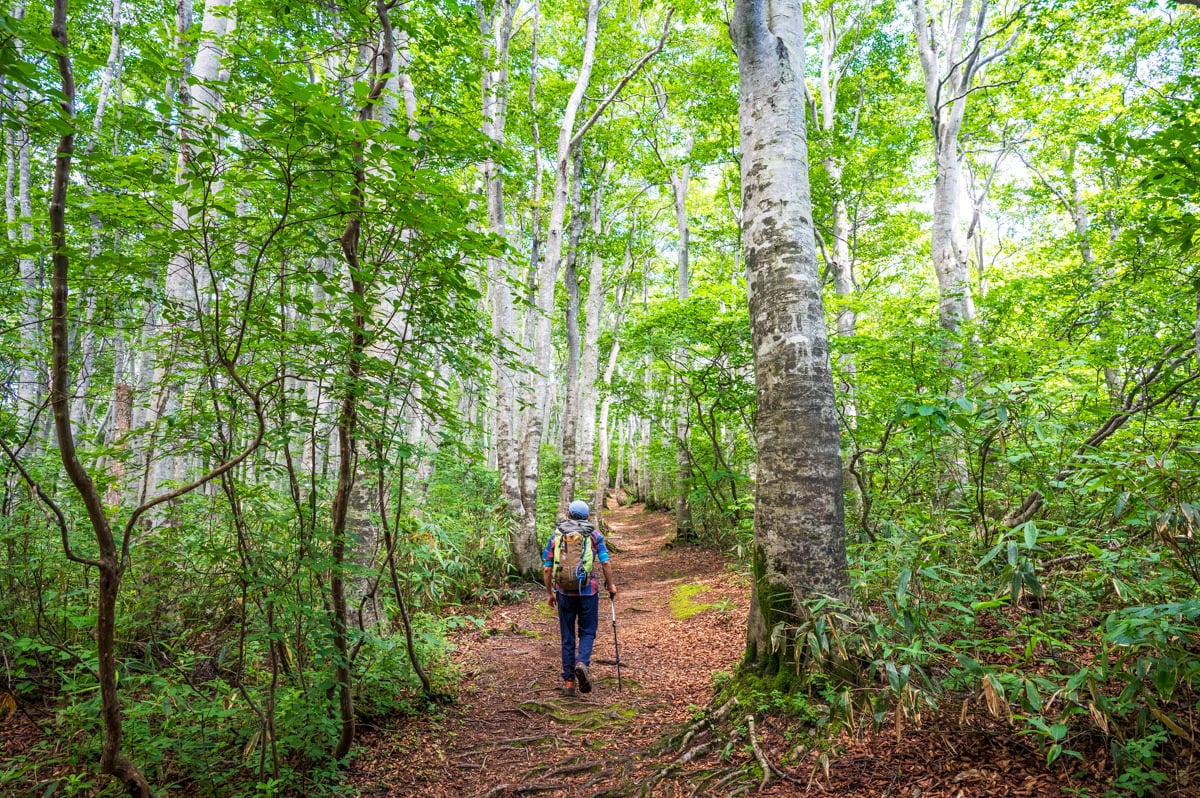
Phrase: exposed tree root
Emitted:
{"points": [[705, 722], [759, 755], [515, 742], [573, 770], [520, 789], [735, 775], [599, 777]]}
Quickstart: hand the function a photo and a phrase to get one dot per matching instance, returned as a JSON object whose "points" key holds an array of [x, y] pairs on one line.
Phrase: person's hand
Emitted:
{"points": [[612, 590], [550, 599]]}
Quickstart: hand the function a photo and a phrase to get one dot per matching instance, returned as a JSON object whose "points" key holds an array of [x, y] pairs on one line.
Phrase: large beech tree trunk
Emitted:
{"points": [[799, 541]]}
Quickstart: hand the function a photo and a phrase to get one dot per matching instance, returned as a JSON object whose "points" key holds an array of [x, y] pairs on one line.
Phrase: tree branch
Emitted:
{"points": [[1033, 502], [60, 520], [629, 75]]}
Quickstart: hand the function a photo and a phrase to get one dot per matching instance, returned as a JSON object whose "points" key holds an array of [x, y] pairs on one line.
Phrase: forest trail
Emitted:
{"points": [[512, 733], [512, 726]]}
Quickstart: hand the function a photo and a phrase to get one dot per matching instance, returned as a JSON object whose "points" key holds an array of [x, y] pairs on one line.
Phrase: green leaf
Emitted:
{"points": [[1054, 753], [991, 555], [1166, 676], [1033, 701], [1031, 534]]}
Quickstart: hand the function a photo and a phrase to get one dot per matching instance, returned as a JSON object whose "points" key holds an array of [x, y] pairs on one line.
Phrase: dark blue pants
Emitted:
{"points": [[584, 611]]}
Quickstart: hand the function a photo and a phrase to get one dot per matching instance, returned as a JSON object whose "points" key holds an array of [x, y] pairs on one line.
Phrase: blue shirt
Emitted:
{"points": [[600, 553]]}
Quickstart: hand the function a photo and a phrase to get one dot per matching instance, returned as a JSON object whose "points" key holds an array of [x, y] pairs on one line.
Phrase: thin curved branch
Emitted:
{"points": [[60, 520], [256, 400]]}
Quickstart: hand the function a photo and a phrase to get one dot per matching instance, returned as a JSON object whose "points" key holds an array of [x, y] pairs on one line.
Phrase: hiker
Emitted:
{"points": [[570, 578]]}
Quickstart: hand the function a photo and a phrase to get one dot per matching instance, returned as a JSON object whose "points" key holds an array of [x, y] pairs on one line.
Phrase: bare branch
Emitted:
{"points": [[1046, 183]]}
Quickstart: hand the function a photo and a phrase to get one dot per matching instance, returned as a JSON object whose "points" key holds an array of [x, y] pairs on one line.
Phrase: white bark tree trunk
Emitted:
{"points": [[838, 251], [590, 359], [500, 273], [183, 287], [526, 546], [951, 55], [799, 541], [680, 181], [19, 209], [570, 417], [569, 137]]}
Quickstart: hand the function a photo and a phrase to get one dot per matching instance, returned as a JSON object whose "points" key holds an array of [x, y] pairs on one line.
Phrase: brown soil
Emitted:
{"points": [[511, 724], [512, 732]]}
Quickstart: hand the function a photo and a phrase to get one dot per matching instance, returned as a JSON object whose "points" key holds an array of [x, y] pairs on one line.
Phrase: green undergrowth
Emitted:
{"points": [[1085, 646], [226, 665]]}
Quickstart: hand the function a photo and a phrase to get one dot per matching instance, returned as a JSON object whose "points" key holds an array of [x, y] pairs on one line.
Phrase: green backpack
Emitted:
{"points": [[574, 555]]}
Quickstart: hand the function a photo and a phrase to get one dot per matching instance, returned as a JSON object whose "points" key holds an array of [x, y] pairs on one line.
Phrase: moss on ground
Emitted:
{"points": [[682, 605], [581, 715]]}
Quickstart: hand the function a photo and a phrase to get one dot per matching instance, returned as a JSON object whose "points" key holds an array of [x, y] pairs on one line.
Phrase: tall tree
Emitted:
{"points": [[951, 46], [569, 137], [799, 541], [496, 28]]}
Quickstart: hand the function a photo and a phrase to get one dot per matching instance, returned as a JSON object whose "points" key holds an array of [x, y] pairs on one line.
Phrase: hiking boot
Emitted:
{"points": [[581, 674], [569, 688]]}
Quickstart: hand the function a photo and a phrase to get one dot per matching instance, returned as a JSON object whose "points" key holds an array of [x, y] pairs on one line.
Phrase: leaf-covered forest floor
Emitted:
{"points": [[511, 732]]}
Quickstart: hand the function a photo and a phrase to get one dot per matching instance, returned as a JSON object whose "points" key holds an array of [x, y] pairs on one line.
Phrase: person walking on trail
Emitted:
{"points": [[568, 570]]}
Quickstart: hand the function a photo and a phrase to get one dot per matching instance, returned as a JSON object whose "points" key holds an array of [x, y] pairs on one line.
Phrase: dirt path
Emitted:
{"points": [[512, 726], [512, 733]]}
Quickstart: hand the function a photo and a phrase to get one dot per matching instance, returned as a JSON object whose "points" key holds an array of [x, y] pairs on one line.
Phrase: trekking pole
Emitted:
{"points": [[616, 646]]}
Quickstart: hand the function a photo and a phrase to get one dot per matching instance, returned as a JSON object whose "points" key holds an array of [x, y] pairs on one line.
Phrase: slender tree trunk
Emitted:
{"points": [[500, 276], [347, 426], [1113, 379], [950, 67], [569, 138], [643, 485], [622, 466], [112, 761], [570, 417], [528, 561], [799, 541], [29, 380], [680, 181], [838, 251], [590, 365], [605, 409], [182, 286]]}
